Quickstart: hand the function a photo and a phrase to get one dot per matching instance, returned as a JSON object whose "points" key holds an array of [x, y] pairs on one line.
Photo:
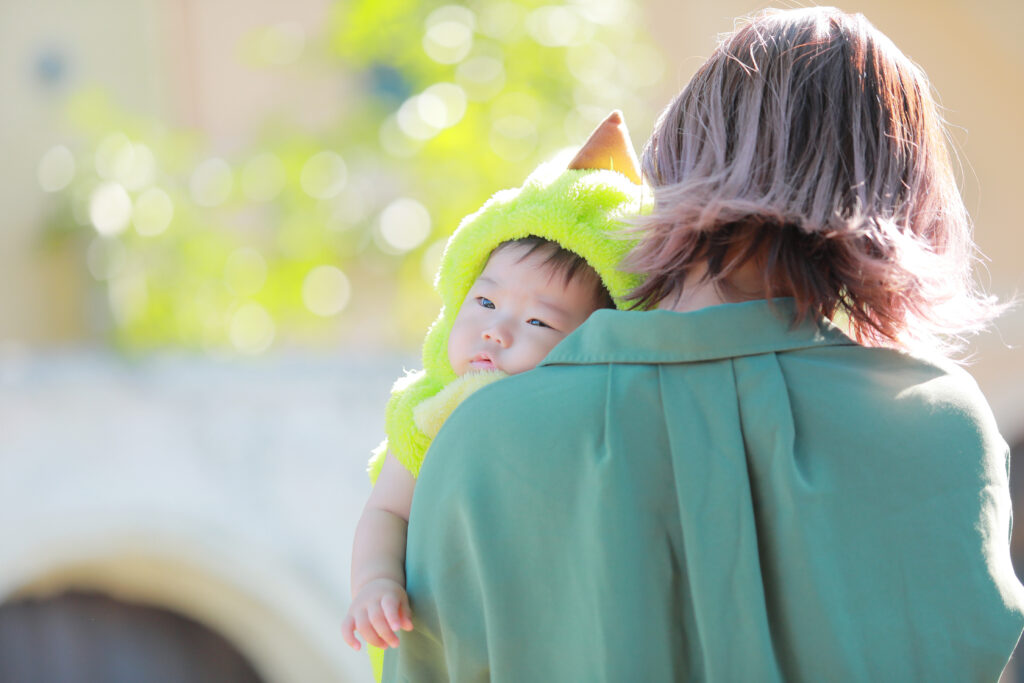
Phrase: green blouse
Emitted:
{"points": [[714, 496]]}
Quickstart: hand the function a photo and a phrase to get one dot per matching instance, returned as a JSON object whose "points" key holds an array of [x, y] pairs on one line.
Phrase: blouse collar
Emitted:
{"points": [[712, 333]]}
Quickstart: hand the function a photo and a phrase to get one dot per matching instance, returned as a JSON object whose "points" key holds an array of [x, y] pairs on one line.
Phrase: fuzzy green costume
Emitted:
{"points": [[581, 210]]}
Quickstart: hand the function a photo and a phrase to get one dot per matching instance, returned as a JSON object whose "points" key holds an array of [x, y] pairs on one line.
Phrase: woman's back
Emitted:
{"points": [[715, 496]]}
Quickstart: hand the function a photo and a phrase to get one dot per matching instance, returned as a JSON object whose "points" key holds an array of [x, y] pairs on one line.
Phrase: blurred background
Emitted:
{"points": [[221, 219]]}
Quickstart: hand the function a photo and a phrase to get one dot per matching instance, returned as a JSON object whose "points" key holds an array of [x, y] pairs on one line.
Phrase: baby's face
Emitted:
{"points": [[516, 311]]}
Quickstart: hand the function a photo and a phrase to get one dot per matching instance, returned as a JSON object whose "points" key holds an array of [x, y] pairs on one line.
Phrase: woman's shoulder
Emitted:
{"points": [[931, 396], [545, 396], [954, 393], [933, 378]]}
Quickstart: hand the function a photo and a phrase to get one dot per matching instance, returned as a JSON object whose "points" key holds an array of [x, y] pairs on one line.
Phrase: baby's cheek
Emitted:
{"points": [[452, 350], [533, 356], [454, 359]]}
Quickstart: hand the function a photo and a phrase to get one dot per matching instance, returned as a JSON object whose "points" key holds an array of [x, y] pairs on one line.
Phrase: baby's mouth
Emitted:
{"points": [[482, 361]]}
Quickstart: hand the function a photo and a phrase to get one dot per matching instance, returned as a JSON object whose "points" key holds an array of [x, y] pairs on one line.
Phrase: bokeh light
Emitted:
{"points": [[131, 164], [105, 257], [351, 207], [502, 21], [211, 182], [404, 225], [450, 104], [481, 77], [555, 26], [152, 212], [513, 137], [110, 208], [109, 152], [251, 329], [430, 262], [411, 119], [395, 141], [591, 62], [326, 290], [56, 169], [245, 271], [606, 12], [127, 295], [449, 35], [440, 106], [263, 177], [136, 168], [324, 175]]}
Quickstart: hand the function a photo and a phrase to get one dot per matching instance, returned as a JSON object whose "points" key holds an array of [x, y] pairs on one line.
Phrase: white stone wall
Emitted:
{"points": [[225, 489]]}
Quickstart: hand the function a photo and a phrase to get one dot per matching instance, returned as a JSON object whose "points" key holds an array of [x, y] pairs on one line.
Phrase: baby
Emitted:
{"points": [[516, 278], [531, 294]]}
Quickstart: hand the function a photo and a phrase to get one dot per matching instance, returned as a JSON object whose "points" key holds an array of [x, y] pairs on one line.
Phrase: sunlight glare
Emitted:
{"points": [[245, 271], [554, 26], [131, 164], [481, 77], [605, 12], [251, 329], [502, 20], [395, 141], [404, 224], [211, 182], [128, 296], [263, 177], [449, 35], [324, 175], [513, 137], [326, 291], [450, 103], [591, 62], [110, 208], [105, 257], [153, 212], [431, 260]]}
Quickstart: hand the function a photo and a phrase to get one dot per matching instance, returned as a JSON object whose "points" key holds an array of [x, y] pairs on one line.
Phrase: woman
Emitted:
{"points": [[776, 476]]}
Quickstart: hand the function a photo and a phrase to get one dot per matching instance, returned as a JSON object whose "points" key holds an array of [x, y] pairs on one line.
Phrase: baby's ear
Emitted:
{"points": [[610, 148]]}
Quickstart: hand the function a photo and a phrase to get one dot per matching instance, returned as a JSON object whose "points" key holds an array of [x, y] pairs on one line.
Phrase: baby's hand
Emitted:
{"points": [[380, 608]]}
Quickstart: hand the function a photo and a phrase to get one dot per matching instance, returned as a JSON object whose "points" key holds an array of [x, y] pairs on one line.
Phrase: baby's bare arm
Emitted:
{"points": [[379, 603]]}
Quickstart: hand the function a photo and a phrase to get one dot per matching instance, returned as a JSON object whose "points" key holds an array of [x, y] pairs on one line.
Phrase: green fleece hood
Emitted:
{"points": [[580, 209]]}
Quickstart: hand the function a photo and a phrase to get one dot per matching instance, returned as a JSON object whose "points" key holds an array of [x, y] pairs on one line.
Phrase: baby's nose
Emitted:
{"points": [[497, 335]]}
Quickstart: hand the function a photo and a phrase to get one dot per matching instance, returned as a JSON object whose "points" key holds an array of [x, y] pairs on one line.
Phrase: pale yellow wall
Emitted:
{"points": [[215, 86], [105, 42]]}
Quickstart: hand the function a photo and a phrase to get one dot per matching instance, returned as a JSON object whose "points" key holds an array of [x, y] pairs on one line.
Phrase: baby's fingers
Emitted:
{"points": [[369, 632], [405, 613], [348, 628], [384, 630], [398, 618]]}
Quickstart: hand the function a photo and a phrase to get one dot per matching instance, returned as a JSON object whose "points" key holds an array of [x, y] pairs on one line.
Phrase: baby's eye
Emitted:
{"points": [[485, 302], [538, 323]]}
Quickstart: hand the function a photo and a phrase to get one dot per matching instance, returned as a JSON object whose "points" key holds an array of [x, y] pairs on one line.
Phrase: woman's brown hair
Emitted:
{"points": [[811, 145]]}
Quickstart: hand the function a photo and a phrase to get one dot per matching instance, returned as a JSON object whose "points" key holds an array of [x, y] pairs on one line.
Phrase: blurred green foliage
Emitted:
{"points": [[281, 244]]}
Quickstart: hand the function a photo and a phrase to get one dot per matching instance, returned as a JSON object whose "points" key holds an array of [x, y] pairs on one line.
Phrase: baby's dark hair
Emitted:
{"points": [[562, 261]]}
